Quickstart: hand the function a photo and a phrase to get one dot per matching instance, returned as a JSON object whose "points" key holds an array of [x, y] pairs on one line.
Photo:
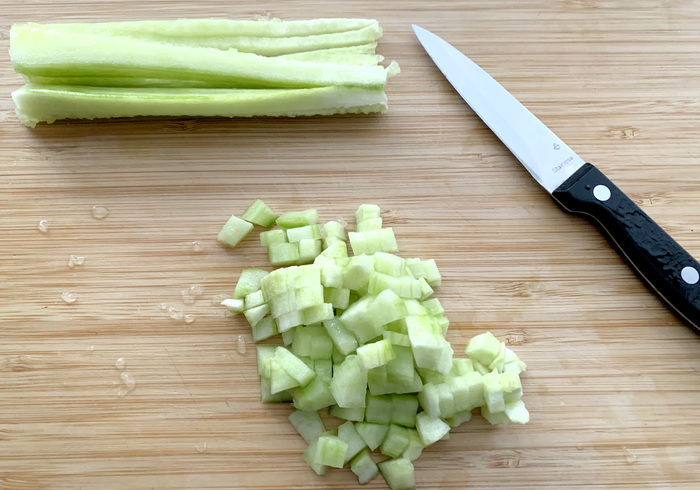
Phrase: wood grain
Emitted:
{"points": [[612, 382]]}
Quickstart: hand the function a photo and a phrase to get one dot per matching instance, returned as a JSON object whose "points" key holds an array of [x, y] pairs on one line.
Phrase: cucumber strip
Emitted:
{"points": [[40, 103], [124, 82], [362, 54], [52, 53]]}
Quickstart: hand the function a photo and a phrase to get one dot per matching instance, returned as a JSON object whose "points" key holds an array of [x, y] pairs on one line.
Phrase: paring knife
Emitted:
{"points": [[577, 186]]}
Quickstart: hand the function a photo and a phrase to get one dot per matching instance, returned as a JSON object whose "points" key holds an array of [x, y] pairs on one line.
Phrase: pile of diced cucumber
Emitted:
{"points": [[363, 337], [198, 68]]}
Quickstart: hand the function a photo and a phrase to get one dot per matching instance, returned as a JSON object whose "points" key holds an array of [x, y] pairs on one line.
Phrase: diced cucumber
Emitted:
{"points": [[339, 298], [372, 434], [349, 435], [255, 315], [400, 370], [433, 306], [330, 451], [234, 305], [369, 225], [254, 299], [396, 441], [353, 414], [397, 339], [483, 348], [308, 424], [356, 274], [371, 241], [234, 231], [312, 397], [415, 446], [459, 418], [375, 354], [297, 219], [269, 237], [511, 386], [283, 254], [265, 328], [248, 282], [293, 366], [342, 339], [494, 418], [426, 269], [310, 456], [324, 370], [309, 249], [378, 409], [516, 412], [299, 233], [430, 429], [266, 395], [398, 473], [404, 409], [364, 467], [365, 212], [349, 383], [389, 264], [260, 213], [493, 393], [280, 380]]}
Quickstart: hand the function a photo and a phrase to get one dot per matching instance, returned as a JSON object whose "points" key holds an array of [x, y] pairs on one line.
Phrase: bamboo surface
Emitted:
{"points": [[613, 381]]}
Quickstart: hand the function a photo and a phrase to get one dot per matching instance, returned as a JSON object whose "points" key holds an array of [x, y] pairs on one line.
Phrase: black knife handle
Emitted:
{"points": [[653, 254]]}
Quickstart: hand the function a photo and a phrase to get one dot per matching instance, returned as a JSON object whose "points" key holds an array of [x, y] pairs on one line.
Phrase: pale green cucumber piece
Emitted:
{"points": [[297, 219], [516, 412], [324, 369], [299, 233], [433, 306], [427, 345], [372, 434], [483, 348], [357, 272], [357, 320], [375, 354], [400, 370], [253, 299], [337, 250], [353, 414], [461, 365], [512, 362], [397, 339], [265, 329], [338, 357], [378, 409], [349, 383], [280, 380], [378, 383], [309, 249], [404, 286], [47, 52], [445, 400], [361, 54], [269, 237], [389, 264], [339, 298], [266, 395], [330, 451], [365, 212], [494, 418], [404, 409], [234, 231], [430, 429], [313, 397], [343, 340], [334, 232], [234, 305], [260, 213], [480, 368], [364, 467], [308, 296], [49, 103], [415, 446], [348, 434], [499, 361], [369, 242], [283, 254], [369, 225], [331, 275], [313, 342], [248, 282], [425, 290], [429, 399], [386, 307], [295, 367], [459, 418], [308, 424], [255, 315], [398, 474], [310, 457], [426, 269], [493, 393], [318, 313], [396, 441], [430, 376], [287, 336], [511, 386], [263, 355], [205, 27]]}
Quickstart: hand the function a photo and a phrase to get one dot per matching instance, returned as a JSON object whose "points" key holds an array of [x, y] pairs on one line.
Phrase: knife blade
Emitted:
{"points": [[577, 186]]}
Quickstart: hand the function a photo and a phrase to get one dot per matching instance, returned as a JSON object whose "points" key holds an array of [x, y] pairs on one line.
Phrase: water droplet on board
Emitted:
{"points": [[99, 212], [174, 313], [201, 447], [43, 226], [120, 364], [197, 247], [163, 306], [74, 260], [189, 318], [186, 298], [69, 297], [128, 381], [195, 290], [217, 299], [630, 457], [241, 345]]}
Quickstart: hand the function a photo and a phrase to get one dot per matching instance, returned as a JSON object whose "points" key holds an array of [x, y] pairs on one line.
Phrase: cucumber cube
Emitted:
{"points": [[372, 434], [493, 393], [266, 328], [398, 473], [234, 305], [511, 386], [357, 272], [310, 456], [280, 380], [365, 212], [283, 254], [318, 313], [260, 213], [378, 410], [364, 467], [375, 354], [426, 269], [307, 424], [396, 441], [349, 383], [459, 418], [253, 299], [324, 370], [369, 225], [308, 250], [389, 264], [397, 339], [249, 282], [339, 298], [353, 414], [349, 435], [312, 397], [494, 418], [483, 348], [266, 395], [433, 306], [330, 451], [400, 370], [429, 399], [516, 412], [255, 315], [309, 232], [332, 276], [269, 237], [234, 231], [294, 367], [342, 339], [430, 429], [404, 409]]}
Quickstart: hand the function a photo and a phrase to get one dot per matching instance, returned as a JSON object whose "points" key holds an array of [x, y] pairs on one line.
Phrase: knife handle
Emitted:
{"points": [[671, 271]]}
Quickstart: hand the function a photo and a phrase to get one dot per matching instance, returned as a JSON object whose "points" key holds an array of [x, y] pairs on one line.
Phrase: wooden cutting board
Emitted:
{"points": [[613, 380]]}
